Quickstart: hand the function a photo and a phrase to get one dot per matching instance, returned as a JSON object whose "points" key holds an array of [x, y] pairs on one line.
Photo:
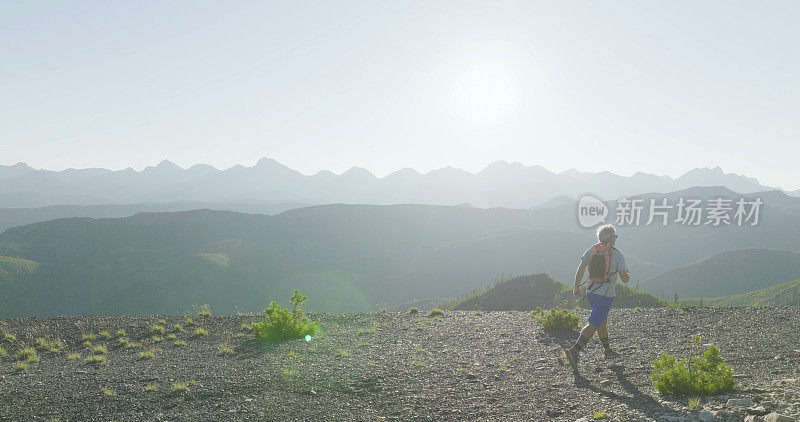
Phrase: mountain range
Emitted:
{"points": [[501, 184], [349, 257]]}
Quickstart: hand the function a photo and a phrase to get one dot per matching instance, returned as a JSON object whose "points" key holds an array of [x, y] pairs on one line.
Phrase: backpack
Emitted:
{"points": [[600, 263]]}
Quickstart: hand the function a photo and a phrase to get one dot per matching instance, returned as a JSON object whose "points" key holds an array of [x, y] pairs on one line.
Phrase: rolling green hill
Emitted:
{"points": [[525, 293], [784, 294], [727, 273], [344, 257]]}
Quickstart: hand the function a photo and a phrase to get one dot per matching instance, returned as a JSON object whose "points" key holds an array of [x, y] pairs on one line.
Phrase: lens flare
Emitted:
{"points": [[308, 338]]}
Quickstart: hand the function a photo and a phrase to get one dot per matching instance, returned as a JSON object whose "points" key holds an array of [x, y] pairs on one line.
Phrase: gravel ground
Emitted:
{"points": [[396, 366]]}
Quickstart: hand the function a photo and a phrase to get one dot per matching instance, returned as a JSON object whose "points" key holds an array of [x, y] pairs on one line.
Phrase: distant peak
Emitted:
{"points": [[449, 170], [201, 166], [166, 164], [357, 171], [706, 170], [405, 172], [324, 173], [264, 161]]}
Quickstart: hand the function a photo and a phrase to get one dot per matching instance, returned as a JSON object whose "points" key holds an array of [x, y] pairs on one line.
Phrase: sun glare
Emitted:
{"points": [[486, 95]]}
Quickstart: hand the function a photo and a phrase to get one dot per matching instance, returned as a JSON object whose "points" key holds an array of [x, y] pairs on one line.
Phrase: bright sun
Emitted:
{"points": [[486, 95]]}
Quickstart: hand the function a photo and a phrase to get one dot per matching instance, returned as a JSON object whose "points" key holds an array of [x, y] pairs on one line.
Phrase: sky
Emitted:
{"points": [[622, 86]]}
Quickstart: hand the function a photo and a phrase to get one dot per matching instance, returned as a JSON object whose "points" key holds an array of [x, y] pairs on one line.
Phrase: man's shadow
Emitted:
{"points": [[635, 398]]}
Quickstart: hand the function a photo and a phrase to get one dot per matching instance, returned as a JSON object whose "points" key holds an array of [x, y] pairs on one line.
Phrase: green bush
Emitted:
{"points": [[556, 318], [706, 375], [28, 355], [281, 323]]}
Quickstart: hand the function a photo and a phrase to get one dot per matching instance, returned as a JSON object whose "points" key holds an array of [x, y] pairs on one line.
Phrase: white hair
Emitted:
{"points": [[606, 232]]}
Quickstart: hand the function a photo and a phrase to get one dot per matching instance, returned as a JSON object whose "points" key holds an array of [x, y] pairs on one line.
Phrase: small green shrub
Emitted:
{"points": [[147, 354], [88, 337], [224, 349], [158, 339], [705, 375], [281, 323], [177, 327], [3, 352], [556, 318], [162, 322], [108, 392], [87, 343], [180, 386], [436, 312], [96, 359], [53, 346], [200, 331], [123, 341], [694, 403], [121, 333], [100, 350], [132, 345], [204, 311], [179, 343], [413, 310], [104, 334], [189, 322], [157, 329], [599, 414], [247, 327], [151, 387], [74, 356], [28, 355], [171, 336], [9, 337], [21, 366]]}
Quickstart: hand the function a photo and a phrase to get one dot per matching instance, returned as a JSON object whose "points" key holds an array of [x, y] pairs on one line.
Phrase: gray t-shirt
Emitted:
{"points": [[617, 264]]}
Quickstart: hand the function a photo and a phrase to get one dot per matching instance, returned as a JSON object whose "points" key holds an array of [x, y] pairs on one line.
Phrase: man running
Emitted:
{"points": [[600, 294]]}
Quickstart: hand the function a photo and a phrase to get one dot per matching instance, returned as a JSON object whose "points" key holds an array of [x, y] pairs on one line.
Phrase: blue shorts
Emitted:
{"points": [[600, 307]]}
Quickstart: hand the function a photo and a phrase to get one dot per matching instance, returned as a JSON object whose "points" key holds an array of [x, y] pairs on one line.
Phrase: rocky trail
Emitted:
{"points": [[493, 366]]}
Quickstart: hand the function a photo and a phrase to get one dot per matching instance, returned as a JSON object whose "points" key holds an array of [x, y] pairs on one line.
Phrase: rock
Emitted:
{"points": [[553, 413], [706, 416], [671, 418], [745, 402], [777, 417], [753, 418], [757, 410]]}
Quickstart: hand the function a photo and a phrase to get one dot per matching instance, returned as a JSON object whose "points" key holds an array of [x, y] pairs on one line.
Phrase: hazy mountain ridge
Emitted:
{"points": [[13, 217], [345, 257], [784, 294], [500, 184], [728, 273]]}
